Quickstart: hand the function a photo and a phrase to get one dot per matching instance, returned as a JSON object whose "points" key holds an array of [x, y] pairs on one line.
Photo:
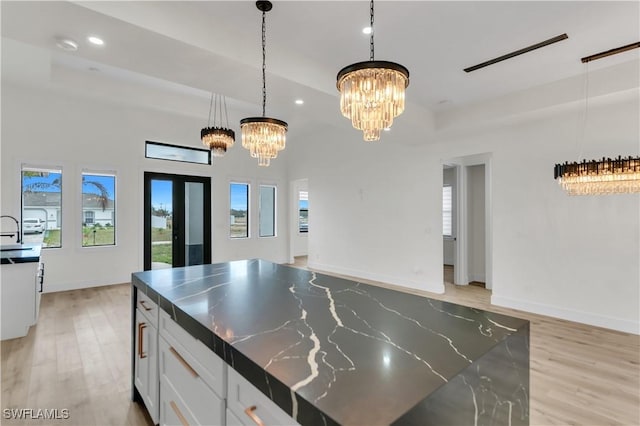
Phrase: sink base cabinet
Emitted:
{"points": [[20, 299]]}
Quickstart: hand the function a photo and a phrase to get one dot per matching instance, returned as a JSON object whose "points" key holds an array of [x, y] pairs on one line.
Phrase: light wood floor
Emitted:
{"points": [[78, 357]]}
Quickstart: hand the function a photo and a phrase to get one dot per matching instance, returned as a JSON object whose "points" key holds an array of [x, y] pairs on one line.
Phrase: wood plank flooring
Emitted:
{"points": [[78, 357]]}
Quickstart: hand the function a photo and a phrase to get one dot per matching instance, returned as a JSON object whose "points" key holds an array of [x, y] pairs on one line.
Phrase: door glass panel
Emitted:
{"points": [[194, 223], [161, 224]]}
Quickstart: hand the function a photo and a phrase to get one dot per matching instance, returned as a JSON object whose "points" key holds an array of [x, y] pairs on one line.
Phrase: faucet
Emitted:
{"points": [[17, 229]]}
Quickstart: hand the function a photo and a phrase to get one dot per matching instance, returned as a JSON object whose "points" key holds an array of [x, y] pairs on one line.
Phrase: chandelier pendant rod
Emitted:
{"points": [[210, 105], [264, 67], [371, 44]]}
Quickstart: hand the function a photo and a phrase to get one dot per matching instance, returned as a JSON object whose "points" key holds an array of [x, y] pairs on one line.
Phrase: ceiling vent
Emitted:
{"points": [[518, 52]]}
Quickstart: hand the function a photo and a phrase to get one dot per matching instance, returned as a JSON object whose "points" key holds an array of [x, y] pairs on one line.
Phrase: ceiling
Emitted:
{"points": [[176, 53]]}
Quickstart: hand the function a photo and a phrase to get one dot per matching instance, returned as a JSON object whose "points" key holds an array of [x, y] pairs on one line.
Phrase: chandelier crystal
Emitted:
{"points": [[217, 138], [372, 93], [607, 176], [264, 137]]}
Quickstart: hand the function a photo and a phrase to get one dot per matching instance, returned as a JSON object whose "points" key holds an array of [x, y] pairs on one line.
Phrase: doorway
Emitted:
{"points": [[468, 248], [177, 220]]}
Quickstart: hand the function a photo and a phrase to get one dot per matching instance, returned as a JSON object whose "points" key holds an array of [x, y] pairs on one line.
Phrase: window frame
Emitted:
{"points": [[59, 213], [298, 210], [112, 220], [178, 148], [449, 211], [274, 213], [248, 233]]}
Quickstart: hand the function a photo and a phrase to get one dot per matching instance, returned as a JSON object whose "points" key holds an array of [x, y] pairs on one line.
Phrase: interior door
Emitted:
{"points": [[177, 220]]}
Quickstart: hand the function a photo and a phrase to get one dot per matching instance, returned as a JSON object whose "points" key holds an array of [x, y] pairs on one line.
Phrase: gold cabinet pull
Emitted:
{"points": [[184, 363], [176, 410], [141, 326], [250, 411], [146, 308]]}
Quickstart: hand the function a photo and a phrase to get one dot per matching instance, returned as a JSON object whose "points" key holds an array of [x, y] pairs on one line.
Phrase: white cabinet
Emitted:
{"points": [[190, 384], [20, 298], [250, 407], [192, 379], [146, 354]]}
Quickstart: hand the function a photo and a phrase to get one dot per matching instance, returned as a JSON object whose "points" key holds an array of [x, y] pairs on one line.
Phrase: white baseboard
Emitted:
{"points": [[437, 288], [618, 324], [53, 288], [477, 277]]}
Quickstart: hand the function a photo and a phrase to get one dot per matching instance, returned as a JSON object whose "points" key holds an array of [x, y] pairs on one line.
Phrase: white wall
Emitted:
{"points": [[41, 127], [377, 212], [476, 223], [572, 257]]}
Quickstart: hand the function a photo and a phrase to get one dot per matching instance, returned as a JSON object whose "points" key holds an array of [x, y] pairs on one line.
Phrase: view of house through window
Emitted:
{"points": [[239, 211], [98, 209], [42, 205], [267, 211], [446, 211], [303, 211]]}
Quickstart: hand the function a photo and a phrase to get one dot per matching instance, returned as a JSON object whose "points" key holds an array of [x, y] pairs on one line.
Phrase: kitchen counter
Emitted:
{"points": [[329, 350], [20, 253]]}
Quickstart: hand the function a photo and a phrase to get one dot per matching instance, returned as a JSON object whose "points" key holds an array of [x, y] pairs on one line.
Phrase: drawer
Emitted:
{"points": [[148, 307], [209, 366], [173, 410], [185, 392], [250, 406], [232, 419]]}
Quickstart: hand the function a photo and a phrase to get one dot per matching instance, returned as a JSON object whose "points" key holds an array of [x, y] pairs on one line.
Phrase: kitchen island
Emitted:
{"points": [[328, 350]]}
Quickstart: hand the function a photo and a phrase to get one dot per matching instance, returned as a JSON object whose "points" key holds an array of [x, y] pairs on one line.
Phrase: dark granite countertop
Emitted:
{"points": [[20, 253], [325, 349]]}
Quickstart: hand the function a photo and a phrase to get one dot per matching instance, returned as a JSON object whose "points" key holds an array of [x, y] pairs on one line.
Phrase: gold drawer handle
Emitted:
{"points": [[146, 308], [250, 411], [184, 363], [141, 327], [179, 414]]}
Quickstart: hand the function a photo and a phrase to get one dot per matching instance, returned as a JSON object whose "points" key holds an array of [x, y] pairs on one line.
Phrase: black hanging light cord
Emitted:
{"points": [[371, 46]]}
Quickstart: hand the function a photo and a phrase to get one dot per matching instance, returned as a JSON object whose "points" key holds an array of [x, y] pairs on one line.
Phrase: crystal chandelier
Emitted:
{"points": [[217, 138], [607, 176], [372, 92], [263, 136]]}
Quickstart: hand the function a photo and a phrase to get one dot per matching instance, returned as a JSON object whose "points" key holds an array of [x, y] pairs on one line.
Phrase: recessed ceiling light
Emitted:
{"points": [[67, 44], [299, 102], [366, 30], [95, 40]]}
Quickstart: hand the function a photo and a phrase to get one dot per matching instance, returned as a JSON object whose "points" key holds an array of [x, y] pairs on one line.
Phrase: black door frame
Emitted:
{"points": [[178, 220]]}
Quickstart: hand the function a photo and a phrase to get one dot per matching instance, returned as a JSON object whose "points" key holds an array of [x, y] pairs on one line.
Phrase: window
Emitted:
{"points": [[267, 211], [446, 211], [89, 216], [303, 211], [164, 151], [239, 212], [42, 205], [98, 209]]}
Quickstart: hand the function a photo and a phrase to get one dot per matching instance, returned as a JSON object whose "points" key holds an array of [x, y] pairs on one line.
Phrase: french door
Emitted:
{"points": [[177, 220]]}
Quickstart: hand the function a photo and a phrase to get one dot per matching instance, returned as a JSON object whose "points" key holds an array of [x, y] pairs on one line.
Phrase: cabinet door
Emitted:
{"points": [[146, 364]]}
